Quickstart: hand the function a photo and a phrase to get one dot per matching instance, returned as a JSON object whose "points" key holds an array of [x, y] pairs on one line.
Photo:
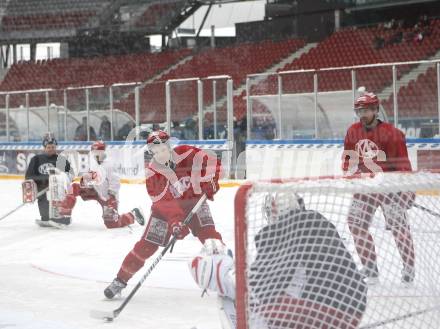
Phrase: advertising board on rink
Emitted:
{"points": [[128, 159], [312, 157], [261, 160]]}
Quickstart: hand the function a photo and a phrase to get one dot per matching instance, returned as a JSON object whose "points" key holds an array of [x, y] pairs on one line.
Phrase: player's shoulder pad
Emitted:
{"points": [[387, 126], [392, 129], [150, 171], [180, 149], [354, 126]]}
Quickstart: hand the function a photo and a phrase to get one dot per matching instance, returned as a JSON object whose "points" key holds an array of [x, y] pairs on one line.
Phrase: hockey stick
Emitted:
{"points": [[429, 211], [110, 316], [24, 203], [400, 318]]}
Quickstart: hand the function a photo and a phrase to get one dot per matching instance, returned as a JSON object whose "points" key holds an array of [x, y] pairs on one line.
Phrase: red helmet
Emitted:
{"points": [[98, 146], [366, 100], [158, 137]]}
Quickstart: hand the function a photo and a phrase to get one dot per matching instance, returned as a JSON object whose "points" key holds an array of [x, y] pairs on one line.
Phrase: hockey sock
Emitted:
{"points": [[135, 259]]}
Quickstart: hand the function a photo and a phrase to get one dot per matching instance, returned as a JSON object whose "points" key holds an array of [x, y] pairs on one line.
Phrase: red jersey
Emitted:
{"points": [[383, 146], [175, 189]]}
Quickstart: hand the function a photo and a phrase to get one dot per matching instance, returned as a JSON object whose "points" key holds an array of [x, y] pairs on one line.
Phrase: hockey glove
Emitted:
{"points": [[213, 247], [178, 230], [90, 179], [210, 188], [29, 191]]}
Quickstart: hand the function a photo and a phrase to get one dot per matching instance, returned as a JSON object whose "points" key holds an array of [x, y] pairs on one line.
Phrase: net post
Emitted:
{"points": [[240, 203]]}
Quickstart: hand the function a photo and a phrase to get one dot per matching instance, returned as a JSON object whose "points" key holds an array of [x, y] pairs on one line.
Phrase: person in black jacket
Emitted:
{"points": [[38, 170], [303, 276]]}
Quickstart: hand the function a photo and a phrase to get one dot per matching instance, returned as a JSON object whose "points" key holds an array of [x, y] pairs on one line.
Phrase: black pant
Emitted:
{"points": [[43, 206]]}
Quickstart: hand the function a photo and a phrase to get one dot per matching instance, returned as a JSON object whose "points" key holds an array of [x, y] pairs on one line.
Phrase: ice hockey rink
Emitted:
{"points": [[53, 278]]}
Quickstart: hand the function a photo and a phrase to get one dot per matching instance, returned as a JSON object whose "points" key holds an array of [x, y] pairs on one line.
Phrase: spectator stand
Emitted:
{"points": [[324, 108]]}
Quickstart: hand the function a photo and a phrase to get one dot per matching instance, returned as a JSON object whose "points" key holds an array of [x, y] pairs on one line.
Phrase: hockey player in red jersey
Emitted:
{"points": [[176, 179], [372, 146], [100, 184]]}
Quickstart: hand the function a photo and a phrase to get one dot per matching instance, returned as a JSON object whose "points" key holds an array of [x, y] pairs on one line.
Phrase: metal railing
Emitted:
{"points": [[319, 103], [60, 106]]}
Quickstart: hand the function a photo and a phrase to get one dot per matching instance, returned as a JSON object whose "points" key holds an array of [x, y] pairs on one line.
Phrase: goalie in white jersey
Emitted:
{"points": [[101, 184], [302, 276]]}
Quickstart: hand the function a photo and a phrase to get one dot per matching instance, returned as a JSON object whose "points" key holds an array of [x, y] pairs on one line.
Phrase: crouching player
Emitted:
{"points": [[302, 277], [100, 184], [176, 180]]}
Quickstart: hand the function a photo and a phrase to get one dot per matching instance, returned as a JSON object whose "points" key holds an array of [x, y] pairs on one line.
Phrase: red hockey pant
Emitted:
{"points": [[202, 226]]}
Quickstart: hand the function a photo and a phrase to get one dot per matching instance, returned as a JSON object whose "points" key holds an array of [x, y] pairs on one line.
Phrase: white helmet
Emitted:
{"points": [[278, 205]]}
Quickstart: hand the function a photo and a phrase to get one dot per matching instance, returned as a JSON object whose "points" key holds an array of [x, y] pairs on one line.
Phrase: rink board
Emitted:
{"points": [[309, 157], [129, 159]]}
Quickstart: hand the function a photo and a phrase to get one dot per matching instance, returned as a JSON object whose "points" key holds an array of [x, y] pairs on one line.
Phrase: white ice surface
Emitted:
{"points": [[53, 278]]}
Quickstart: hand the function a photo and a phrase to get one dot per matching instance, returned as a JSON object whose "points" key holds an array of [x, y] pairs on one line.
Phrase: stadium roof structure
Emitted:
{"points": [[60, 20]]}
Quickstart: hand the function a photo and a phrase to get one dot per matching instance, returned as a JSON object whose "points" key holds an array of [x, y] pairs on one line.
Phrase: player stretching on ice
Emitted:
{"points": [[377, 146], [40, 166], [302, 277], [176, 179], [100, 184]]}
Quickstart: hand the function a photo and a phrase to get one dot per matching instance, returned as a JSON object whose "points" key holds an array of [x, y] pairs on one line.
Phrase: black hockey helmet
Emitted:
{"points": [[49, 138]]}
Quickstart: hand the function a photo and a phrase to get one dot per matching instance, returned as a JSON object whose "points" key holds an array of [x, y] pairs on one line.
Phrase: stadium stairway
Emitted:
{"points": [[232, 60], [240, 92], [405, 79], [158, 76], [279, 65]]}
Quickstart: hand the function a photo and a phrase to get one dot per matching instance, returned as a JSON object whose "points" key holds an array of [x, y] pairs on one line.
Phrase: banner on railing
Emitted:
{"points": [[128, 159], [305, 158]]}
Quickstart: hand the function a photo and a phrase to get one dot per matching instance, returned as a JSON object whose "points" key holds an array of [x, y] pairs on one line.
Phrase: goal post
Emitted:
{"points": [[304, 258]]}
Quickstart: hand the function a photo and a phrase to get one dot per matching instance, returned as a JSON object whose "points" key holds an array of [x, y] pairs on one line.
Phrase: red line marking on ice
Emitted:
{"points": [[65, 275]]}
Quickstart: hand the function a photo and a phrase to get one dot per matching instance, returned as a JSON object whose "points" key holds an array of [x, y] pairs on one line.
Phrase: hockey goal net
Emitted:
{"points": [[305, 259]]}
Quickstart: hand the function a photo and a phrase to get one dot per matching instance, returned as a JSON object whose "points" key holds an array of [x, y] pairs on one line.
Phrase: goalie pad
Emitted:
{"points": [[227, 312], [215, 273], [58, 183], [29, 191]]}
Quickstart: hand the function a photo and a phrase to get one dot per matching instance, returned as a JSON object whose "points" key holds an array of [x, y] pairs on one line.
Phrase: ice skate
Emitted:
{"points": [[114, 288], [138, 216]]}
